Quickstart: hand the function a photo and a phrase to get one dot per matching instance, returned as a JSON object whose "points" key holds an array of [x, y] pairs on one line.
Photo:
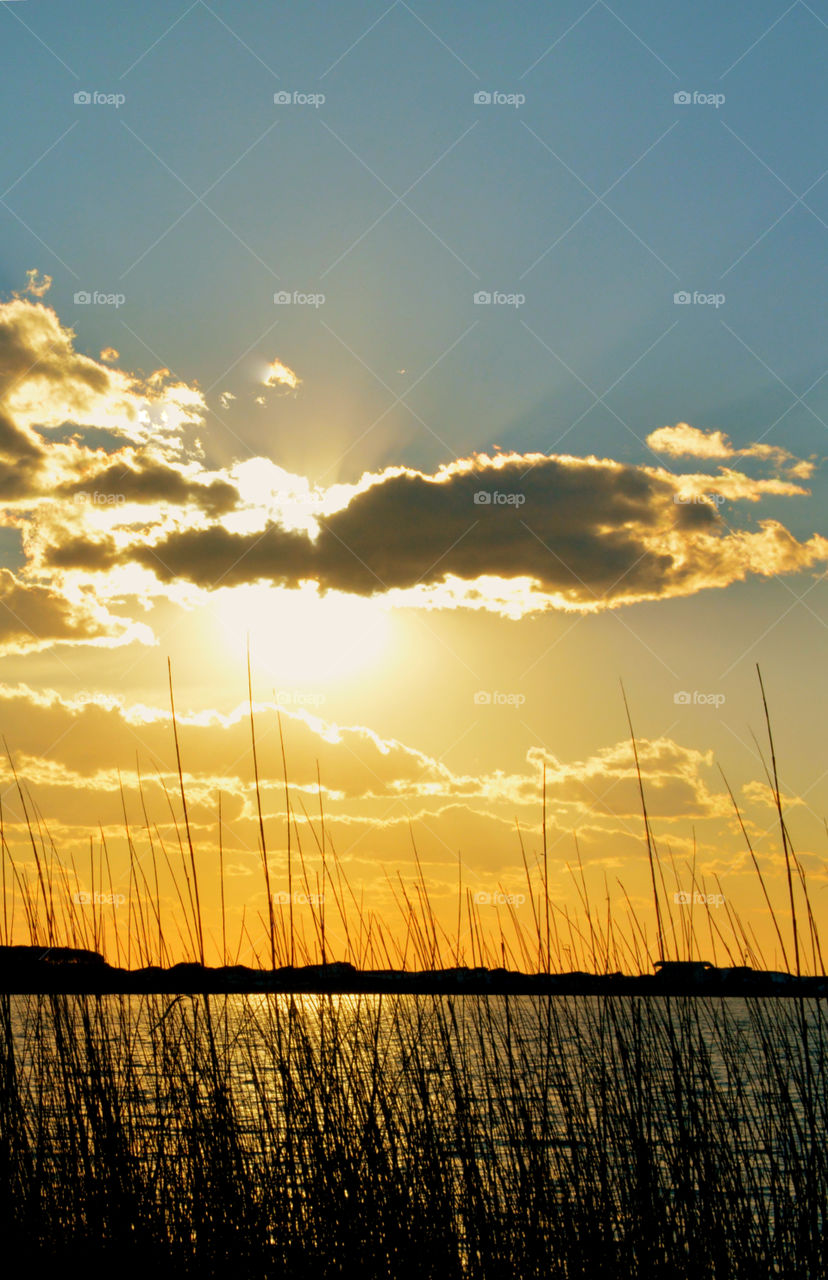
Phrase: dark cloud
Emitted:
{"points": [[569, 525], [31, 615], [37, 353], [82, 553], [46, 386], [586, 530], [585, 533], [216, 557], [21, 458], [156, 482]]}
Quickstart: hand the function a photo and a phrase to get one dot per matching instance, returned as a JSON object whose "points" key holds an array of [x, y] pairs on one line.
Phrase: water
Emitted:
{"points": [[552, 1055], [555, 1117]]}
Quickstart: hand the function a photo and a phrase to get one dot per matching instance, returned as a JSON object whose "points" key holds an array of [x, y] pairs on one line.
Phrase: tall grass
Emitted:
{"points": [[445, 1137], [164, 887], [413, 1136]]}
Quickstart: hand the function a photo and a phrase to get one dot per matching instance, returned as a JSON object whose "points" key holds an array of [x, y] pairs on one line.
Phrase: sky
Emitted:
{"points": [[462, 369]]}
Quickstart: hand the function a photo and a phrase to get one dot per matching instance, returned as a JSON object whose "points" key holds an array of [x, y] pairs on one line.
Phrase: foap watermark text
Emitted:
{"points": [[94, 98], [284, 299], [494, 98], [685, 899], [496, 498], [494, 698], [683, 298], [697, 699], [706, 499], [496, 298], [97, 298], [299, 698], [296, 98], [695, 98]]}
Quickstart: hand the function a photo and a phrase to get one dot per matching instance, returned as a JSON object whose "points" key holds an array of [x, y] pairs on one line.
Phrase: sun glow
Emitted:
{"points": [[302, 637]]}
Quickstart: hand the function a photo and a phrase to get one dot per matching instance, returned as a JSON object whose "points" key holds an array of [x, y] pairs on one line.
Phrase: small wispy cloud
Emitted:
{"points": [[684, 441], [36, 284], [279, 374]]}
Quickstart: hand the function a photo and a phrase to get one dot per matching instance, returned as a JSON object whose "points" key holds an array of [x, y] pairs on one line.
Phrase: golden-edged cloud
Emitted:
{"points": [[33, 616], [682, 441], [585, 534], [607, 783], [36, 284], [372, 786], [512, 533], [278, 374]]}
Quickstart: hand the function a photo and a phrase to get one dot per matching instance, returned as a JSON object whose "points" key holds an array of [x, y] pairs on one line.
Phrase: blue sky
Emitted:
{"points": [[699, 188]]}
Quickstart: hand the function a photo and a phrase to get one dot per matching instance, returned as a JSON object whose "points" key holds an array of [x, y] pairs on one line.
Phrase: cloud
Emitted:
{"points": [[119, 440], [578, 534], [46, 385], [374, 789], [81, 553], [607, 783], [214, 556], [36, 284], [513, 533], [279, 375], [154, 482], [33, 617], [44, 382], [93, 737], [682, 440], [759, 792]]}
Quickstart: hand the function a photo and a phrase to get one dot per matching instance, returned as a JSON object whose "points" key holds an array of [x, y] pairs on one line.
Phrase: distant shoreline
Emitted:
{"points": [[26, 970]]}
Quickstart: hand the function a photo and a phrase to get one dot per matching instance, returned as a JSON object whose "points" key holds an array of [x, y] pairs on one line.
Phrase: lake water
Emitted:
{"points": [[448, 1137], [562, 1074]]}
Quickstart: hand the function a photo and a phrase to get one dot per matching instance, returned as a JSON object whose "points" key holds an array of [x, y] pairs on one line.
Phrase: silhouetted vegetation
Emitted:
{"points": [[423, 1136]]}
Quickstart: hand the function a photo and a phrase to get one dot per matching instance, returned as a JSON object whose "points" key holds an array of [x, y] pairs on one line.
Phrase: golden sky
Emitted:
{"points": [[431, 642]]}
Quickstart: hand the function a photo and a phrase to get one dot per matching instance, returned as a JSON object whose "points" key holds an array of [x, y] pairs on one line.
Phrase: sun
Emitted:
{"points": [[299, 637]]}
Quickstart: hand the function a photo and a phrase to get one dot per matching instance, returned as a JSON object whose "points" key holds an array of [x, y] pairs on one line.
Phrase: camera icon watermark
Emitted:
{"points": [[296, 98], [85, 899], [85, 298], [683, 298], [290, 498], [705, 499], [283, 298], [496, 498], [100, 499], [485, 298], [697, 699], [685, 899], [299, 698], [484, 98], [683, 98], [93, 98], [494, 698]]}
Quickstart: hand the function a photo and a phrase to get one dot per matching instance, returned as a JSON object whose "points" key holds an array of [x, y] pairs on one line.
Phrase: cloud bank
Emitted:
{"points": [[103, 475]]}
